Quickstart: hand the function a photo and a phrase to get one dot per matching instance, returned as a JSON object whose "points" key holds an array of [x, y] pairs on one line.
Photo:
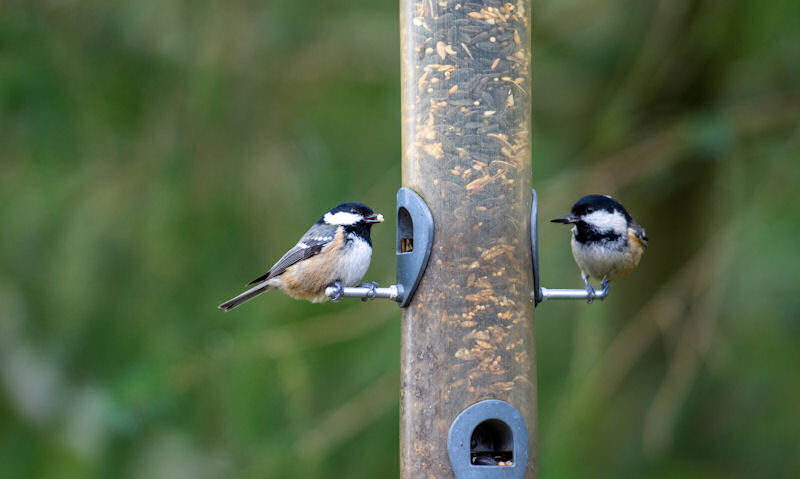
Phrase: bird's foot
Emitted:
{"points": [[371, 293], [590, 290], [606, 286], [337, 295]]}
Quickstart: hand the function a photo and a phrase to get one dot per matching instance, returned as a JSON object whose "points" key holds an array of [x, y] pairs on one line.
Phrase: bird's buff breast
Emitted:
{"points": [[339, 260]]}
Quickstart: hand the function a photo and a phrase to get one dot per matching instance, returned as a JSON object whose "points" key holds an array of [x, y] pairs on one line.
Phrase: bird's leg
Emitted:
{"points": [[371, 294], [606, 287], [589, 288], [339, 291]]}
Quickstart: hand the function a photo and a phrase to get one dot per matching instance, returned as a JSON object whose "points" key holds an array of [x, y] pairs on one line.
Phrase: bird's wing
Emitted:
{"points": [[638, 231], [309, 245]]}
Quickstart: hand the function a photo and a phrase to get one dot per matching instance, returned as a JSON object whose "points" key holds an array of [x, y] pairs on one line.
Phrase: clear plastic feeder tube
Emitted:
{"points": [[468, 334]]}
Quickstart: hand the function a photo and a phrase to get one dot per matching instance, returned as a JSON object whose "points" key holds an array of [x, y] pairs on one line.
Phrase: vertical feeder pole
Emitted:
{"points": [[468, 334]]}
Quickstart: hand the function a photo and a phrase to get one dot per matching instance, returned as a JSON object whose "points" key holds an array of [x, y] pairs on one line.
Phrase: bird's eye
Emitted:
{"points": [[589, 210], [353, 210]]}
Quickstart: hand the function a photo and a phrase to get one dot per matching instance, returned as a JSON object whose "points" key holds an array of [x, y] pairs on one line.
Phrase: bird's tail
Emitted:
{"points": [[246, 296]]}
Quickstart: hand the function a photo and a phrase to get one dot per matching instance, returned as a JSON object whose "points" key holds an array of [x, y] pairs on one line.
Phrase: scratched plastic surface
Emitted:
{"points": [[468, 334]]}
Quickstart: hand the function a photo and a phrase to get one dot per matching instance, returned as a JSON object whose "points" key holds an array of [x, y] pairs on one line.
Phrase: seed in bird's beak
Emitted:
{"points": [[374, 218]]}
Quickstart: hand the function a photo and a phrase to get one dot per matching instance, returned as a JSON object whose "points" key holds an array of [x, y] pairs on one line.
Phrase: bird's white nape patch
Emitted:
{"points": [[603, 220], [342, 218]]}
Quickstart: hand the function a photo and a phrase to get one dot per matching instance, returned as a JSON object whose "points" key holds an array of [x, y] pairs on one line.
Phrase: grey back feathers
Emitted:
{"points": [[309, 245]]}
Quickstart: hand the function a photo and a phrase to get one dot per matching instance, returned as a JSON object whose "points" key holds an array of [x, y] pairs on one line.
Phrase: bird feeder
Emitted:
{"points": [[468, 332], [467, 251]]}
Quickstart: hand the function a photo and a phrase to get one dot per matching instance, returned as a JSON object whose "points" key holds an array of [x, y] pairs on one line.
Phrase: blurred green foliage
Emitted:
{"points": [[154, 156]]}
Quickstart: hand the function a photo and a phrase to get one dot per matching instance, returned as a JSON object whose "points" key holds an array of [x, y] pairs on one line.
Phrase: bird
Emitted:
{"points": [[336, 250], [607, 242]]}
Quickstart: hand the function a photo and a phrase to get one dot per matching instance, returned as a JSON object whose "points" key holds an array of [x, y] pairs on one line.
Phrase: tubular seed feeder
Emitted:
{"points": [[467, 250], [468, 334], [468, 398]]}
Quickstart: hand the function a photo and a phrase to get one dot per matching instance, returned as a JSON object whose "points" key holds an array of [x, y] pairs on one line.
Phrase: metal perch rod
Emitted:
{"points": [[548, 293], [337, 292]]}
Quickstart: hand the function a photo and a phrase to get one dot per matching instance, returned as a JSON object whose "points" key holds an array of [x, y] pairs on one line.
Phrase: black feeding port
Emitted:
{"points": [[488, 433], [492, 444], [405, 231]]}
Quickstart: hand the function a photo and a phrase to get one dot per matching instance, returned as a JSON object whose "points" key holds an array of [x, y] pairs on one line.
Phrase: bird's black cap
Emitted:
{"points": [[353, 207], [590, 203], [356, 208]]}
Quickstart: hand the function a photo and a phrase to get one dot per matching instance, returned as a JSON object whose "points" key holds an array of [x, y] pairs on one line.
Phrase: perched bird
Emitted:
{"points": [[606, 241], [336, 249]]}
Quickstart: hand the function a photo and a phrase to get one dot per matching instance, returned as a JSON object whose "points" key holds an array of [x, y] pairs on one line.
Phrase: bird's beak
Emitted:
{"points": [[374, 218], [566, 219]]}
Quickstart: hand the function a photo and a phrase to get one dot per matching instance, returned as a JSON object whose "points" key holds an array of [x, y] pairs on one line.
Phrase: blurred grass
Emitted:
{"points": [[155, 156]]}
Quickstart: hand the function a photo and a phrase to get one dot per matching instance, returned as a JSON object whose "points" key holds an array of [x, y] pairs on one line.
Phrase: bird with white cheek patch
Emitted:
{"points": [[606, 241], [336, 249]]}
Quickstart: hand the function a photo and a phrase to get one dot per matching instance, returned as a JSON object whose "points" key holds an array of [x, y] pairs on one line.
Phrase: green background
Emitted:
{"points": [[155, 156]]}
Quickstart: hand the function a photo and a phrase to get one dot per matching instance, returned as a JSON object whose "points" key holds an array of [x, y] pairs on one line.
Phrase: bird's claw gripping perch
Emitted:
{"points": [[589, 290], [592, 293], [338, 293], [606, 287], [372, 293]]}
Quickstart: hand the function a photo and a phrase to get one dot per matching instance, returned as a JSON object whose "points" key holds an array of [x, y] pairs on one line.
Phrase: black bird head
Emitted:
{"points": [[597, 217], [351, 214]]}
